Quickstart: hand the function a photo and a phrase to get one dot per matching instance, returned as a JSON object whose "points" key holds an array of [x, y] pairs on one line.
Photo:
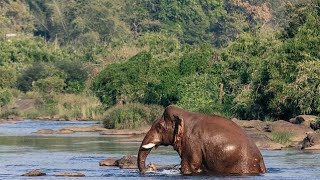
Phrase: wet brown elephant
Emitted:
{"points": [[205, 143]]}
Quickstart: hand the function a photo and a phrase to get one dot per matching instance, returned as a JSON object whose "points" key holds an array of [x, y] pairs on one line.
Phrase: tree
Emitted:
{"points": [[75, 75], [49, 85], [123, 82], [5, 97], [15, 18], [8, 76], [36, 72]]}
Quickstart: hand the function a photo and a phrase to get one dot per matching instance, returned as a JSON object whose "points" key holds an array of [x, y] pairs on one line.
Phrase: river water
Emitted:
{"points": [[21, 151]]}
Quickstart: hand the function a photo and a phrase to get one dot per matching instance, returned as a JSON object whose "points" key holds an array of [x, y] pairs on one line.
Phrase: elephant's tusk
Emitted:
{"points": [[148, 146]]}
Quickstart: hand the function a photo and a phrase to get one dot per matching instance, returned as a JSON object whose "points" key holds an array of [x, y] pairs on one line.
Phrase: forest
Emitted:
{"points": [[122, 61]]}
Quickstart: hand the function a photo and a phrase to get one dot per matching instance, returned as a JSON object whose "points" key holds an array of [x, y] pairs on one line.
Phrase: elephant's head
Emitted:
{"points": [[167, 130]]}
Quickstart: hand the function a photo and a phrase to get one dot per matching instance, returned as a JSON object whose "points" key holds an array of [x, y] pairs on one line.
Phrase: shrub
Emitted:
{"points": [[200, 93], [75, 74], [304, 92], [8, 76], [35, 72], [49, 85], [72, 106], [160, 43], [66, 106], [7, 113], [196, 60], [130, 116], [74, 87], [123, 82], [5, 97]]}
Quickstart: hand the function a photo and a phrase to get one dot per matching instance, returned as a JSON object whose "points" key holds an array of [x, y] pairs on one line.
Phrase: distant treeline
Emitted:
{"points": [[247, 59]]}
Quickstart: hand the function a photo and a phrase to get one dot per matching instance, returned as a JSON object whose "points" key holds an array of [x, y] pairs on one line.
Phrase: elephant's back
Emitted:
{"points": [[223, 124], [225, 132]]}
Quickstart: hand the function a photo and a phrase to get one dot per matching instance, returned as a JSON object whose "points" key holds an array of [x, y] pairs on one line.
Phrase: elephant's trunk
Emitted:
{"points": [[142, 156], [147, 144]]}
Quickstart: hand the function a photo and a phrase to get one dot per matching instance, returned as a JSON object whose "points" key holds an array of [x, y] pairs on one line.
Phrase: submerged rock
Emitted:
{"points": [[84, 129], [126, 162], [68, 174], [45, 131], [108, 162], [34, 173], [130, 162], [64, 131]]}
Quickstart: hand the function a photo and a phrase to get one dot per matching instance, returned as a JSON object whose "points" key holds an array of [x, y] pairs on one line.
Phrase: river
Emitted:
{"points": [[21, 151]]}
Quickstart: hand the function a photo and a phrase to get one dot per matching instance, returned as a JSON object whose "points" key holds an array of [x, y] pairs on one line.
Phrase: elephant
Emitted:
{"points": [[207, 144]]}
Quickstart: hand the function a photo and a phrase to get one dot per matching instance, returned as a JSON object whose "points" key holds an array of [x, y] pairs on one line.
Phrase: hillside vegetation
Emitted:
{"points": [[78, 59]]}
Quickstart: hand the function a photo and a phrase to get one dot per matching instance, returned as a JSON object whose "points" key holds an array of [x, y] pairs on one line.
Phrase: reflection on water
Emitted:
{"points": [[22, 151]]}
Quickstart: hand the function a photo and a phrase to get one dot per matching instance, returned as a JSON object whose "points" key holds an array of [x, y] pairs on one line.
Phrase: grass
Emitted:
{"points": [[79, 107], [131, 116], [283, 137], [63, 106], [6, 113]]}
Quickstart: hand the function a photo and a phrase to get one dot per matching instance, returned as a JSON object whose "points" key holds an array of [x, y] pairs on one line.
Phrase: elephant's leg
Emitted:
{"points": [[191, 163]]}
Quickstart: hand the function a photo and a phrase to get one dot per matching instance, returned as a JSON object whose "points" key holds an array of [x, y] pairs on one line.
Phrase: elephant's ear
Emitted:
{"points": [[179, 131]]}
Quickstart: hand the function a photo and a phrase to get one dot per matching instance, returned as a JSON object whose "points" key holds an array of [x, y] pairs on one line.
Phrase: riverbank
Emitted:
{"points": [[268, 135]]}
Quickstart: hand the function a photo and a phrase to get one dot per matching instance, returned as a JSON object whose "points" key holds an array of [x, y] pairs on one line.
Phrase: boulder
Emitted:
{"points": [[297, 131], [34, 173], [303, 119], [262, 133], [130, 162], [127, 162], [267, 128], [108, 162], [251, 125], [311, 141], [315, 125], [296, 120], [264, 142]]}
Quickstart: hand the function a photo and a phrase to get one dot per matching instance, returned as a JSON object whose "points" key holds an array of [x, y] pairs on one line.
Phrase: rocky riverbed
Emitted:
{"points": [[295, 133], [299, 132]]}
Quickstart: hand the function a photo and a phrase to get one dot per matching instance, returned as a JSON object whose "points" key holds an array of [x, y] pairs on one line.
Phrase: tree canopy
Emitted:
{"points": [[249, 59]]}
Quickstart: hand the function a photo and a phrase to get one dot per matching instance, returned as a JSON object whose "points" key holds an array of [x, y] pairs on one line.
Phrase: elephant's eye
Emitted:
{"points": [[160, 128]]}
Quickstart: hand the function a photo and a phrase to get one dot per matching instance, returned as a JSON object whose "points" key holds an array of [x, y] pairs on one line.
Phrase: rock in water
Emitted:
{"points": [[45, 131], [34, 173], [127, 162], [68, 174], [108, 162]]}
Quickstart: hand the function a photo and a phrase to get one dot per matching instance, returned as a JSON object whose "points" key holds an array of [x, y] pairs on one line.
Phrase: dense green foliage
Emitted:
{"points": [[130, 116], [5, 97], [265, 73], [248, 59]]}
